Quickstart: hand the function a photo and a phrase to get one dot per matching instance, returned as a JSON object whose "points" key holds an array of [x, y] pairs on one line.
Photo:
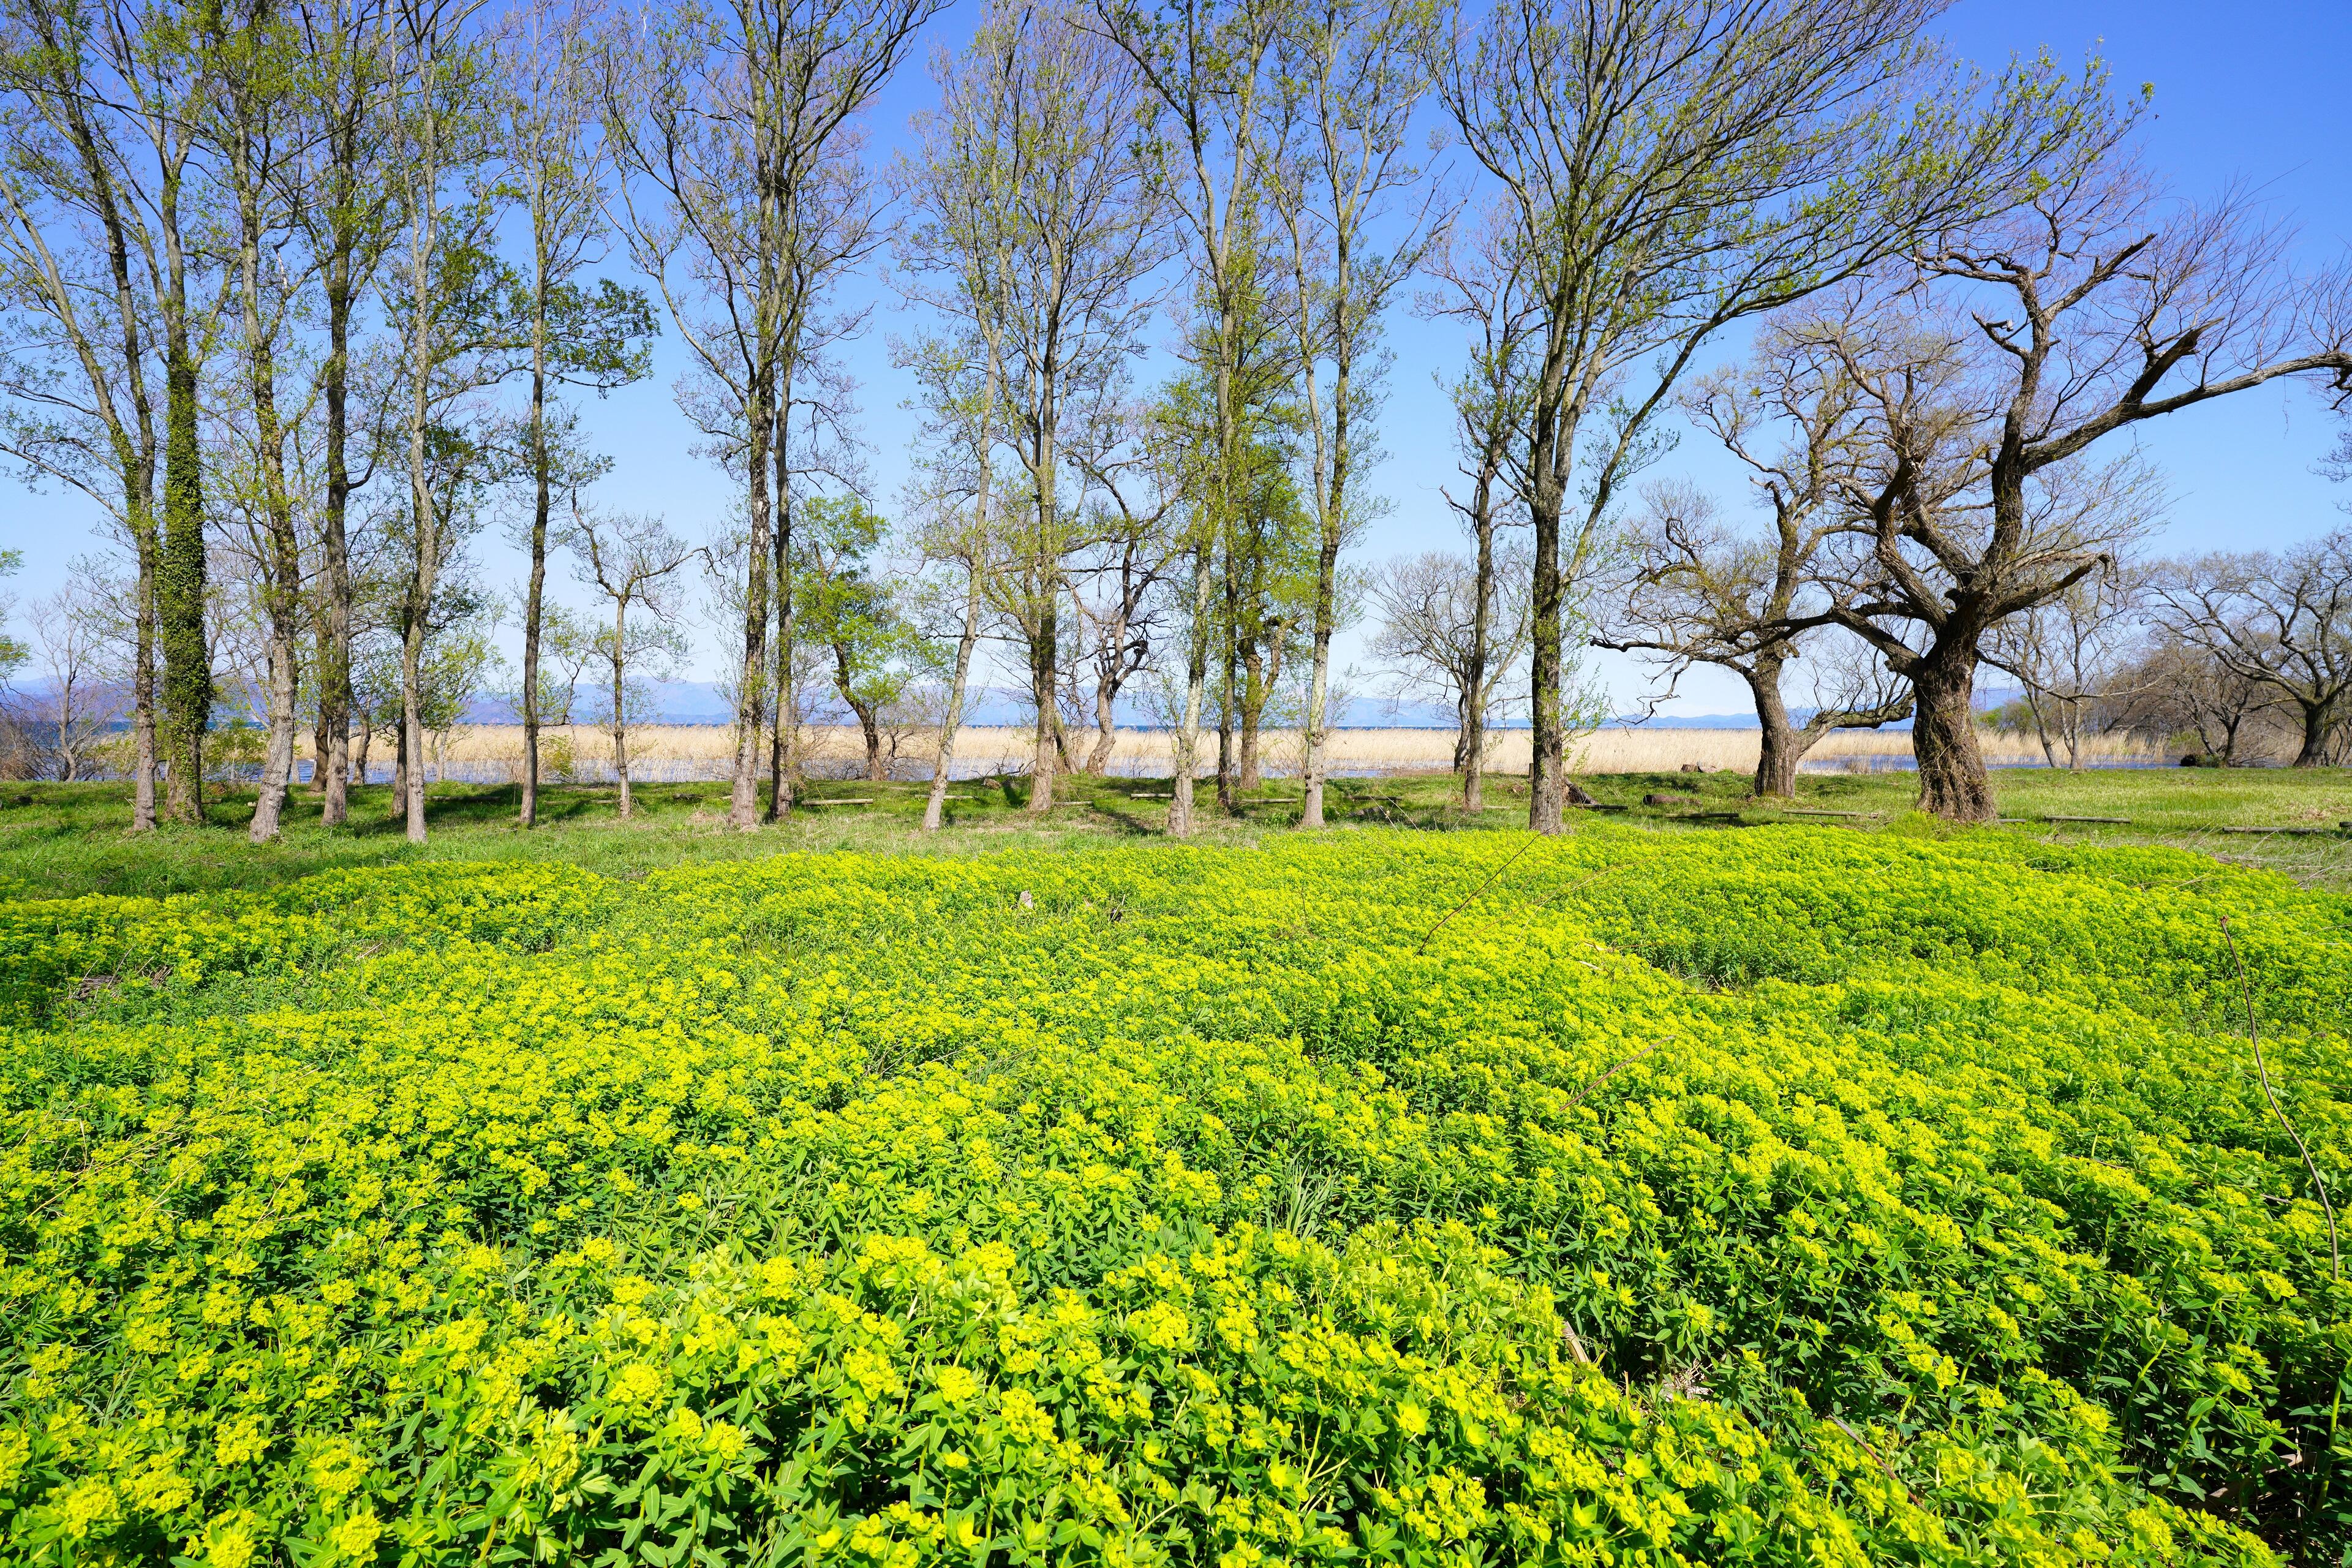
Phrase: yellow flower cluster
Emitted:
{"points": [[1791, 1197]]}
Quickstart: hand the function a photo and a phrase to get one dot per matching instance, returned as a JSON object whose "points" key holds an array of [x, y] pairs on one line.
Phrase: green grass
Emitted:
{"points": [[62, 839]]}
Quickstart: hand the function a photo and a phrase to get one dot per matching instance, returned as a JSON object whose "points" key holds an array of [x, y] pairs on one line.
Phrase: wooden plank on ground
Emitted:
{"points": [[2123, 820], [1811, 811]]}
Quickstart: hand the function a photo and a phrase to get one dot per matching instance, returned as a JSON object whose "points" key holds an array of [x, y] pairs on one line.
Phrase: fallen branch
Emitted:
{"points": [[1473, 893], [1646, 1051], [2253, 1035]]}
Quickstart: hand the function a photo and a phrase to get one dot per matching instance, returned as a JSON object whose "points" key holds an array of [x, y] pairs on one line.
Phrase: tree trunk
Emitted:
{"points": [[1325, 623], [783, 765], [335, 660], [426, 519], [868, 721], [399, 768], [1776, 762], [535, 594], [1105, 727], [1256, 689], [142, 682], [2317, 725], [751, 710], [318, 782], [1228, 800], [1196, 681], [935, 808], [281, 565], [277, 764], [1042, 662], [1548, 766], [411, 676], [1953, 783], [179, 581], [619, 717], [1473, 742]]}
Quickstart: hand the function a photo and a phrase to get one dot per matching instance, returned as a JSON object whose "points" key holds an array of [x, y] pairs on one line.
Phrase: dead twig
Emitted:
{"points": [[1481, 888], [1646, 1051], [1876, 1456], [2254, 1036]]}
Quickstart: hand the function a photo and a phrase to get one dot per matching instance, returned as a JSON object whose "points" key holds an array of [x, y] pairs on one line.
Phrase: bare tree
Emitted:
{"points": [[1700, 591], [954, 496], [1443, 632], [632, 561], [163, 85], [1667, 167], [830, 225], [349, 223], [1481, 276], [442, 315], [1077, 236], [255, 127], [2071, 655], [2091, 309], [2282, 622], [2177, 687], [957, 256], [1119, 591], [78, 636]]}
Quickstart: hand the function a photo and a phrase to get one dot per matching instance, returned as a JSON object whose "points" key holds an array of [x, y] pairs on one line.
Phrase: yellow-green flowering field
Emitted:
{"points": [[1787, 1196]]}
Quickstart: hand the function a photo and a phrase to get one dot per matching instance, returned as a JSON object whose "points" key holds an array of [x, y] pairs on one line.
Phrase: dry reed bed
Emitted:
{"points": [[493, 752]]}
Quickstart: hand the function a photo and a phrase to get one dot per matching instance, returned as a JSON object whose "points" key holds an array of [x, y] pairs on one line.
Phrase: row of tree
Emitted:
{"points": [[299, 290]]}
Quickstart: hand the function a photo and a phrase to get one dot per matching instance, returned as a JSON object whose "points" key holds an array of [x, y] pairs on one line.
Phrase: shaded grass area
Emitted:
{"points": [[66, 839]]}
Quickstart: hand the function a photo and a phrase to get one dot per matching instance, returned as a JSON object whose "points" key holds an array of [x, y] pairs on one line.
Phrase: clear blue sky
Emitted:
{"points": [[2250, 91]]}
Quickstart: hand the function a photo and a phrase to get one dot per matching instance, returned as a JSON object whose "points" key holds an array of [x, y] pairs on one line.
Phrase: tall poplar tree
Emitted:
{"points": [[556, 172], [725, 118], [1203, 66], [81, 407]]}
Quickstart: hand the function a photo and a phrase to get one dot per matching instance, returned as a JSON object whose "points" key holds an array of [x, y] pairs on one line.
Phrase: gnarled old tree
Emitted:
{"points": [[2094, 307], [1665, 168], [1700, 590], [2280, 623]]}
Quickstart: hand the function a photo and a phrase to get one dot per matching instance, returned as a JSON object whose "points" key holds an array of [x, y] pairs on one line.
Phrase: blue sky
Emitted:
{"points": [[2250, 92]]}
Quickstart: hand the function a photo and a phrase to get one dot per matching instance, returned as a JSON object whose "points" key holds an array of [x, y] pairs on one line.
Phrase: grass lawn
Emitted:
{"points": [[64, 839]]}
